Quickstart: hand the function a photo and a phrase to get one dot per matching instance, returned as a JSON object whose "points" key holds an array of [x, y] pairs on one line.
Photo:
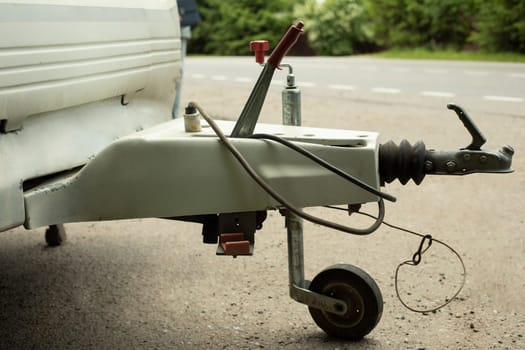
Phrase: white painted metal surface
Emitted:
{"points": [[65, 68], [80, 80], [165, 172]]}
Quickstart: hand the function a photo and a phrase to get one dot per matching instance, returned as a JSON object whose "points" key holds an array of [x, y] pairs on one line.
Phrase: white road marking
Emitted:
{"points": [[341, 87], [306, 84], [516, 75], [478, 73], [381, 90], [437, 93], [503, 98], [386, 90], [243, 80], [436, 71], [370, 68], [401, 69]]}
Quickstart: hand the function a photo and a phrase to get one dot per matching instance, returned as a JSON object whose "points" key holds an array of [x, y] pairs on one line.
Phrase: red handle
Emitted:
{"points": [[259, 47], [286, 43]]}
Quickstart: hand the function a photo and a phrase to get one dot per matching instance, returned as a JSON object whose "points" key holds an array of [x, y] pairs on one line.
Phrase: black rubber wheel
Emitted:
{"points": [[361, 294], [55, 235]]}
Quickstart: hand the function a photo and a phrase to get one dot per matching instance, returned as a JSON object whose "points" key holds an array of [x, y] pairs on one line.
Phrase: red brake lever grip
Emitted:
{"points": [[286, 43]]}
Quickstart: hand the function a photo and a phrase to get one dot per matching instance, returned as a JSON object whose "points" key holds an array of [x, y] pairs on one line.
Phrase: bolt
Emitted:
{"points": [[339, 307], [483, 159], [466, 157], [429, 165], [451, 166]]}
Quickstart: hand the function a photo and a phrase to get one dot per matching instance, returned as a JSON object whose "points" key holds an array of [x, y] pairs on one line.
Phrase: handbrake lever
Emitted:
{"points": [[250, 113]]}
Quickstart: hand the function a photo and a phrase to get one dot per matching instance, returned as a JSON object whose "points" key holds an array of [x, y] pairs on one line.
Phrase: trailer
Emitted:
{"points": [[86, 134]]}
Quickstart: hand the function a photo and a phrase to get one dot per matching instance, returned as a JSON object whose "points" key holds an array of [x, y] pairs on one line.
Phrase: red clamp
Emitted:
{"points": [[259, 47], [234, 244]]}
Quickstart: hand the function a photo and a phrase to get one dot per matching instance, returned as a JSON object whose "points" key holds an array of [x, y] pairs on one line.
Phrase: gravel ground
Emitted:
{"points": [[152, 284]]}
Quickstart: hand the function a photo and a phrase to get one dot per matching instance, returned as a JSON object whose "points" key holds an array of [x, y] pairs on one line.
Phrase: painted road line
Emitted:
{"points": [[516, 75], [198, 76], [503, 98], [436, 71], [437, 93], [341, 87], [370, 68], [243, 80], [381, 90], [218, 77], [401, 69], [478, 73], [306, 84]]}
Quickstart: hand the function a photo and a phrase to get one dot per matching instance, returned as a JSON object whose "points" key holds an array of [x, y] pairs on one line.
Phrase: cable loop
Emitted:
{"points": [[416, 258]]}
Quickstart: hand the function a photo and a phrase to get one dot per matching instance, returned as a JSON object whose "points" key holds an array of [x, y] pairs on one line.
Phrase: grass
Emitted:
{"points": [[424, 54]]}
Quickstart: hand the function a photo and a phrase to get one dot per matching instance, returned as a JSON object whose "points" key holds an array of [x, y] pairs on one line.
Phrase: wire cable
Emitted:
{"points": [[416, 259], [325, 164], [278, 197]]}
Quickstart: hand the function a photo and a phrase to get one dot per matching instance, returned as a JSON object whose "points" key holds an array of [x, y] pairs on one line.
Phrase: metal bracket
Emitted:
{"points": [[318, 301], [298, 285], [466, 161], [237, 233]]}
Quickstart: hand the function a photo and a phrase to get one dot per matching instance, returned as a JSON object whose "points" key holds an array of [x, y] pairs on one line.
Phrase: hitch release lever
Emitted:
{"points": [[478, 139]]}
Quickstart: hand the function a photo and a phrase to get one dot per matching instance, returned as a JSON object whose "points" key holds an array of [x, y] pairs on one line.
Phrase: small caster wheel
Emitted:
{"points": [[55, 235], [361, 294]]}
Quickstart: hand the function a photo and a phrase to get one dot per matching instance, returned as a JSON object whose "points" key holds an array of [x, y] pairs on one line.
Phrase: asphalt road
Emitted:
{"points": [[152, 284], [485, 85]]}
